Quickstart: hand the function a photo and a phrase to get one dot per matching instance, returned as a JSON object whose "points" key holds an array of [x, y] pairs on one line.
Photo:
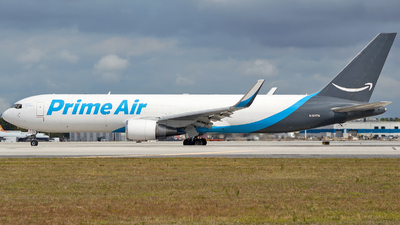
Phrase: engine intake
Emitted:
{"points": [[143, 129]]}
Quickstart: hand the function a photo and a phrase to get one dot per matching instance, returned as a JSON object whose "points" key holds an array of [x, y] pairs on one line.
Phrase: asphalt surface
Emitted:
{"points": [[240, 149]]}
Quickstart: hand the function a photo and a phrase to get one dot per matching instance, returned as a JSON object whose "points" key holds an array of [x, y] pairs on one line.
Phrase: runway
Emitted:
{"points": [[259, 149]]}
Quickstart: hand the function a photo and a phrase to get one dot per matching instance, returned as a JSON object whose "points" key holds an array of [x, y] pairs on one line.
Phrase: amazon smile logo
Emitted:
{"points": [[367, 85]]}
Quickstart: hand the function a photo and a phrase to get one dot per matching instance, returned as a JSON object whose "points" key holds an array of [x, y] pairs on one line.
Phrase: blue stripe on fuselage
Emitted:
{"points": [[244, 102], [261, 124], [251, 127], [119, 130]]}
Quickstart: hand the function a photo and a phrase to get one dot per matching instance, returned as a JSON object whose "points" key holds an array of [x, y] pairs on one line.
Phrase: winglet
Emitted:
{"points": [[248, 98], [1, 129], [272, 91]]}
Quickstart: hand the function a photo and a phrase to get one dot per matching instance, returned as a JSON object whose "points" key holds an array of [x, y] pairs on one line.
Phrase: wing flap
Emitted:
{"points": [[361, 107]]}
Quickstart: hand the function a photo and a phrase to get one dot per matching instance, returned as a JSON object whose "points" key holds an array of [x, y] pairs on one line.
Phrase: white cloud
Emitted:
{"points": [[180, 80], [259, 67], [32, 55], [111, 63], [68, 56], [110, 67]]}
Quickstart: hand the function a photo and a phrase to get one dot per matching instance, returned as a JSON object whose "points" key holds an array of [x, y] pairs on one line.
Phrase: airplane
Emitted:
{"points": [[151, 117], [21, 135]]}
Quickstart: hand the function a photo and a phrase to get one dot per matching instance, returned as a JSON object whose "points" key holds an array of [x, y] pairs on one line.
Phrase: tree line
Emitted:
{"points": [[396, 119], [8, 126]]}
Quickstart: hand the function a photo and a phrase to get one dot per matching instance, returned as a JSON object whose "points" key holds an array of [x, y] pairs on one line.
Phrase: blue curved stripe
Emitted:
{"points": [[258, 125], [245, 102], [119, 130], [250, 127]]}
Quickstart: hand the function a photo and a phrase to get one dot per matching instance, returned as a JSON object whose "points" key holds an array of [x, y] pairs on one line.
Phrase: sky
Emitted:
{"points": [[189, 46]]}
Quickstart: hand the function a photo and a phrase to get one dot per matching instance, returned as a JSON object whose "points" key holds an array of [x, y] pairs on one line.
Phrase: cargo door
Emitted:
{"points": [[40, 109]]}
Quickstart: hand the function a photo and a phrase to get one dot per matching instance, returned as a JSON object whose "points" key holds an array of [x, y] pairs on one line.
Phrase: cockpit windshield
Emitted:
{"points": [[17, 106]]}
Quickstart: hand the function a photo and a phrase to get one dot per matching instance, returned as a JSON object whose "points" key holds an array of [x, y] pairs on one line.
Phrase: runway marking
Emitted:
{"points": [[202, 153], [177, 154]]}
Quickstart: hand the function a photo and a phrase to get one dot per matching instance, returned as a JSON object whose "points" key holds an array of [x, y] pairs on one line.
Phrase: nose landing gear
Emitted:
{"points": [[32, 138], [34, 142]]}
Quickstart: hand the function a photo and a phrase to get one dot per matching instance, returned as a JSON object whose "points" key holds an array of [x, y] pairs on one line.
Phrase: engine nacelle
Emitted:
{"points": [[142, 129]]}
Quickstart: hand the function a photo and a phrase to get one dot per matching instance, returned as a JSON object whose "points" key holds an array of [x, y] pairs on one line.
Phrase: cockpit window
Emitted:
{"points": [[17, 106]]}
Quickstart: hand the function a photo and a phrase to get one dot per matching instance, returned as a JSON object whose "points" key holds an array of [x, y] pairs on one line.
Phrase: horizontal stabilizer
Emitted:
{"points": [[362, 107]]}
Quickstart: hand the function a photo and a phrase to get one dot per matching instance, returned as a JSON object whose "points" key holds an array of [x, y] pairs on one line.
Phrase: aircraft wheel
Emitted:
{"points": [[192, 141], [187, 141], [198, 142], [34, 143]]}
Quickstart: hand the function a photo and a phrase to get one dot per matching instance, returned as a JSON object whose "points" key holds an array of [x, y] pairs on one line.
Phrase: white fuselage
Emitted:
{"points": [[108, 113]]}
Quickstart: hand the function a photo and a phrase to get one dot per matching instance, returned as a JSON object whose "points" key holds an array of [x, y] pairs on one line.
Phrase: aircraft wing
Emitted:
{"points": [[204, 118], [361, 107]]}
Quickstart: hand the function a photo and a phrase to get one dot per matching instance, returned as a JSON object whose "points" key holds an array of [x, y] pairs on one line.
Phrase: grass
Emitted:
{"points": [[199, 191]]}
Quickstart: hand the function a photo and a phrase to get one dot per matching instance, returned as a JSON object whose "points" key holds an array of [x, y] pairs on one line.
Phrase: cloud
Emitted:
{"points": [[260, 67], [33, 55], [68, 56], [110, 76], [180, 80], [111, 63], [190, 46], [110, 67]]}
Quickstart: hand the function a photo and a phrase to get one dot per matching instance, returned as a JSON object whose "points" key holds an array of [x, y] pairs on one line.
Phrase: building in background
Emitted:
{"points": [[97, 137], [367, 128]]}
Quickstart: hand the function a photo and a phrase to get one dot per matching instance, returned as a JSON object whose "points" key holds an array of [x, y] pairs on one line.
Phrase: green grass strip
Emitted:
{"points": [[198, 191]]}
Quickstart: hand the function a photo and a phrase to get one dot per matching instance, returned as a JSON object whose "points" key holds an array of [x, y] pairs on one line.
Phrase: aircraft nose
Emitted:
{"points": [[7, 115]]}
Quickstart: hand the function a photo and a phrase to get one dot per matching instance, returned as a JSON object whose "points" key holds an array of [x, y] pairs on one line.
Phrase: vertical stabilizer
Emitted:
{"points": [[358, 79]]}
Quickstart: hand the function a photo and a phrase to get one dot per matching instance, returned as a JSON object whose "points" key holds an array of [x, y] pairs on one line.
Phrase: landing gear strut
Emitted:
{"points": [[32, 137], [195, 141]]}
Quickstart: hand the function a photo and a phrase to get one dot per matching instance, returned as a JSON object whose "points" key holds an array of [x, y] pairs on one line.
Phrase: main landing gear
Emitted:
{"points": [[195, 141]]}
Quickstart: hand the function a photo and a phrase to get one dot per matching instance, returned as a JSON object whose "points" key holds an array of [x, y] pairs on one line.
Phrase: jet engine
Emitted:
{"points": [[144, 129]]}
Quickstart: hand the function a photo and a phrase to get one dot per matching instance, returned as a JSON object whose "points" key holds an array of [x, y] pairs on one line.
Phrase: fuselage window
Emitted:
{"points": [[17, 106]]}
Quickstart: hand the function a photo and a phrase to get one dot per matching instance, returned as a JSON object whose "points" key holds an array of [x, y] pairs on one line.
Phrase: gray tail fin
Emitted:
{"points": [[358, 79]]}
